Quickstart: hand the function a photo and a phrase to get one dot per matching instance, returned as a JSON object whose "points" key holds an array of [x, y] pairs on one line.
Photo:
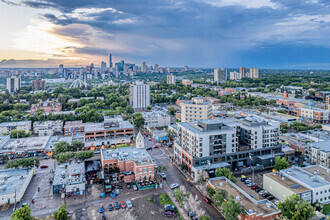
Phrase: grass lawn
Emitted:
{"points": [[165, 199], [326, 209]]}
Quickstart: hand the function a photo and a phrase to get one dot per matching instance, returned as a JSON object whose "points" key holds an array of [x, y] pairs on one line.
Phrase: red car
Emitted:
{"points": [[156, 146], [255, 187], [207, 200], [123, 204], [44, 166]]}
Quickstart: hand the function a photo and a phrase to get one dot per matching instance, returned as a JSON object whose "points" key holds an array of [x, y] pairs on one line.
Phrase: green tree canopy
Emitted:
{"points": [[295, 208], [61, 147], [281, 163], [23, 213], [28, 162], [225, 172], [138, 120], [61, 214], [232, 209]]}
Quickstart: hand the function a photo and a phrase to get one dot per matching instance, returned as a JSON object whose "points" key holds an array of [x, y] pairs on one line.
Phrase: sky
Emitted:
{"points": [[293, 34]]}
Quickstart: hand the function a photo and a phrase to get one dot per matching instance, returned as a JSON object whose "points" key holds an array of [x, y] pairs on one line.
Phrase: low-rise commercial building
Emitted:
{"points": [[47, 128], [156, 119], [315, 115], [7, 127], [319, 153], [187, 82], [14, 183], [73, 127], [112, 131], [70, 179], [311, 183]]}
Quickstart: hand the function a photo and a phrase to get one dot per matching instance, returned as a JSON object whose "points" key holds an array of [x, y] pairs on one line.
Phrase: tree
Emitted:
{"points": [[63, 157], [210, 191], [19, 134], [219, 196], [16, 163], [225, 172], [232, 209], [171, 111], [148, 107], [281, 163], [23, 213], [295, 208], [204, 217], [61, 147], [77, 145], [83, 155], [138, 120], [61, 214]]}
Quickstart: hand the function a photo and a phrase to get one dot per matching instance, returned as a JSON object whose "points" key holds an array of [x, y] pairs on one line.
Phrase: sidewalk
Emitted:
{"points": [[177, 205]]}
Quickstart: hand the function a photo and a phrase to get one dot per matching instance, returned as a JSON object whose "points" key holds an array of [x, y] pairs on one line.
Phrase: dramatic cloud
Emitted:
{"points": [[171, 32]]}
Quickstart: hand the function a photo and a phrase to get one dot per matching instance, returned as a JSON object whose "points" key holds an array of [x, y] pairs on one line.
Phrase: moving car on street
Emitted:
{"points": [[174, 185]]}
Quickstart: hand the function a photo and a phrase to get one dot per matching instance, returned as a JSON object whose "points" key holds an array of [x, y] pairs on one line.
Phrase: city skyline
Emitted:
{"points": [[201, 33]]}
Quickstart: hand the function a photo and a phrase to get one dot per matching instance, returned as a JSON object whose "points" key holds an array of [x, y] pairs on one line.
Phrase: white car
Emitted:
{"points": [[135, 187], [174, 185], [163, 175], [129, 204]]}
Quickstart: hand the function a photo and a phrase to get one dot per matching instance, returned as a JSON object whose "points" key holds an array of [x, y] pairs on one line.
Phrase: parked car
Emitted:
{"points": [[169, 207], [250, 184], [174, 185], [128, 185], [262, 192], [255, 187], [44, 166], [190, 214], [110, 207], [259, 189], [207, 200], [117, 205], [266, 195], [129, 204], [170, 214], [118, 187], [163, 175], [101, 209], [270, 197], [148, 148], [103, 217], [243, 179], [135, 187], [156, 146], [122, 204], [247, 181]]}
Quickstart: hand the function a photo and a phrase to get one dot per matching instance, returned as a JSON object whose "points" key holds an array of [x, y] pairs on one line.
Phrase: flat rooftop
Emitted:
{"points": [[240, 197], [320, 171], [12, 179], [288, 183], [92, 127], [23, 144], [305, 177], [139, 155], [69, 173], [8, 124]]}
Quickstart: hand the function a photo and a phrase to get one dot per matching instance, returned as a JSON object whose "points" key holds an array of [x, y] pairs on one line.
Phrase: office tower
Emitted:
{"points": [[156, 67], [170, 79], [13, 84], [220, 75], [242, 71], [103, 66], [139, 97], [65, 72], [143, 67], [117, 67], [39, 84], [235, 75], [254, 73], [196, 109], [110, 60], [60, 69]]}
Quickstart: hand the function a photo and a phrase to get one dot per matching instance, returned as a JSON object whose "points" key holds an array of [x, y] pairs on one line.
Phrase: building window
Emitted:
{"points": [[145, 170], [140, 170], [149, 169]]}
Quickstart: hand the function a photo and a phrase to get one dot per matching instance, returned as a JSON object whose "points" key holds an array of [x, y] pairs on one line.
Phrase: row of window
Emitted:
{"points": [[145, 170]]}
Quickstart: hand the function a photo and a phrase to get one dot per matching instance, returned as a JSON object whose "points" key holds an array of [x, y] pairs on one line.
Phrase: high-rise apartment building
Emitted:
{"points": [[139, 97], [254, 73], [235, 75], [242, 71], [13, 84], [144, 67], [220, 75], [170, 79], [60, 69], [196, 109], [213, 143], [39, 84]]}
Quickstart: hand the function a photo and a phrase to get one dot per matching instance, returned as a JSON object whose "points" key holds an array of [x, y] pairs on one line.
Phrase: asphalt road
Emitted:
{"points": [[173, 175]]}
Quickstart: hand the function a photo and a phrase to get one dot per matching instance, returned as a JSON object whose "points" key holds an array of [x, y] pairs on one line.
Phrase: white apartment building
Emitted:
{"points": [[170, 79], [235, 75], [13, 84], [139, 95], [220, 75], [156, 119], [196, 109], [47, 128], [254, 73], [7, 127], [315, 178], [319, 153]]}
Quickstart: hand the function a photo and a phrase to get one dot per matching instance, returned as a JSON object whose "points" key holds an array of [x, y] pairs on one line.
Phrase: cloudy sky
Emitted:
{"points": [[197, 33]]}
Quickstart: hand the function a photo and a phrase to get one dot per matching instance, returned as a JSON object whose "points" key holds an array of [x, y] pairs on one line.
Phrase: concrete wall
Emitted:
{"points": [[276, 189]]}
